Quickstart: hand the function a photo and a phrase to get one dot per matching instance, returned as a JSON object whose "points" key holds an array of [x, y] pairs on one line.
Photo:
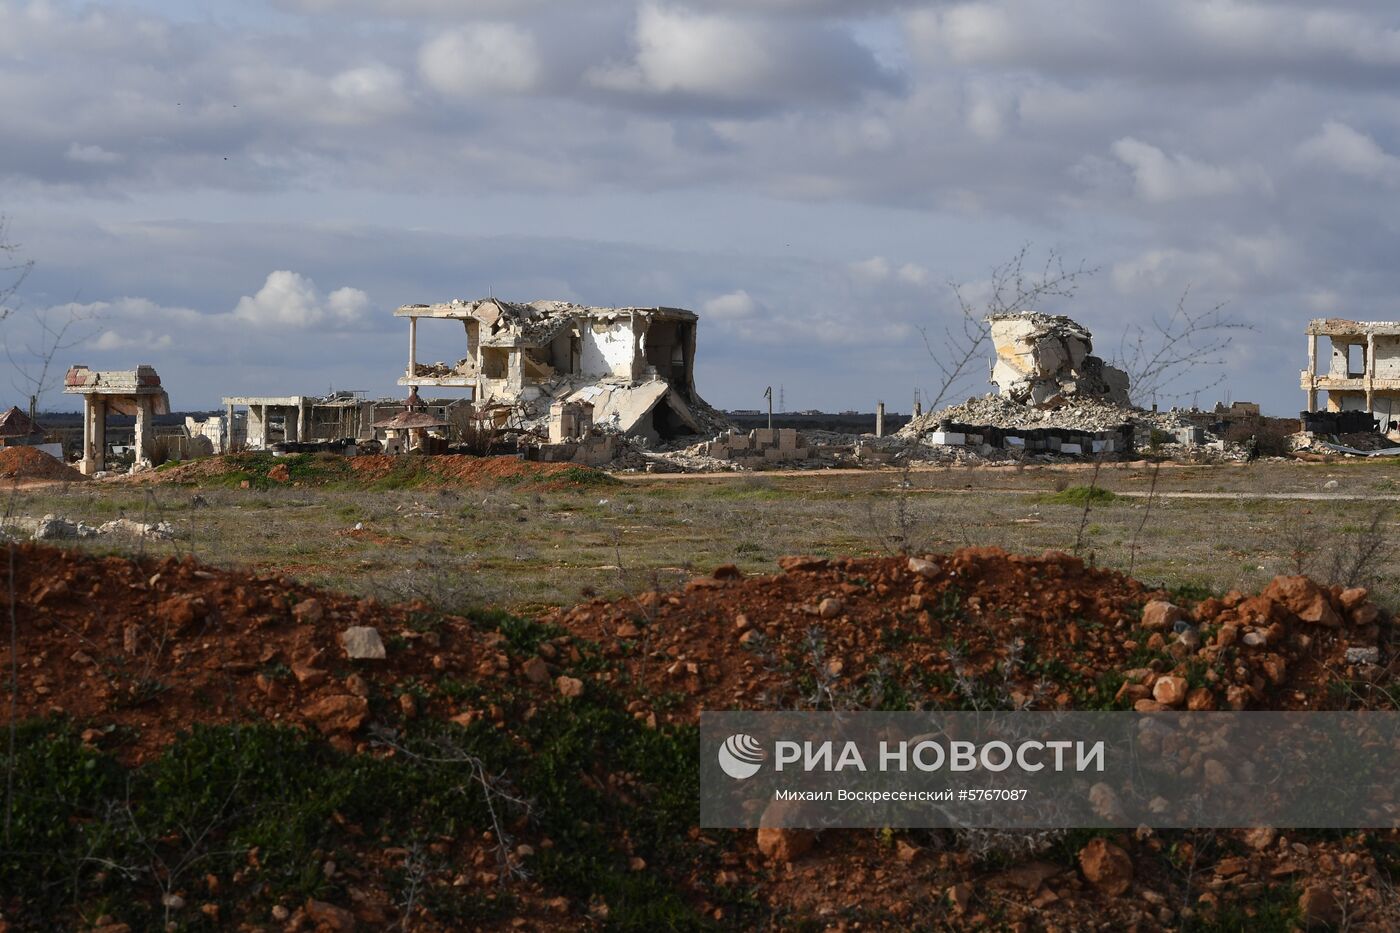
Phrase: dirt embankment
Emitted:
{"points": [[31, 463], [582, 704]]}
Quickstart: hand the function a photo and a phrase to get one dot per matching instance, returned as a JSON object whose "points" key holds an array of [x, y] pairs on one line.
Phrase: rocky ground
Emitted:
{"points": [[206, 748]]}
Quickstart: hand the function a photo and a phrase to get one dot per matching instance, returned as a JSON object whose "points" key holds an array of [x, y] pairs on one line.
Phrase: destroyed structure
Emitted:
{"points": [[127, 392], [292, 419], [1361, 375], [632, 368], [1044, 360], [1053, 397], [18, 429]]}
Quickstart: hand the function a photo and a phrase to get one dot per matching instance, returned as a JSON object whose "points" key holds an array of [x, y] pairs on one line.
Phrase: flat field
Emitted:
{"points": [[526, 546]]}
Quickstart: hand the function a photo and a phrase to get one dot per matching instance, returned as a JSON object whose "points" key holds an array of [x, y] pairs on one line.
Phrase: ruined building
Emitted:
{"points": [[1046, 359], [135, 392], [1362, 374], [633, 367]]}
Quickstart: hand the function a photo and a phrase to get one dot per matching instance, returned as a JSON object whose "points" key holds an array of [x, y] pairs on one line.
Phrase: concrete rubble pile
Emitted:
{"points": [[1044, 360], [56, 528], [1054, 398]]}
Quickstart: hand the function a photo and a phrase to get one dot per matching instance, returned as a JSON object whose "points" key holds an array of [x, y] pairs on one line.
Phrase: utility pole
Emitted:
{"points": [[768, 394]]}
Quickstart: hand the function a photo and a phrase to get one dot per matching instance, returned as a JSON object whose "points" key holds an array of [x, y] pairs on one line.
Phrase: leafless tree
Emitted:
{"points": [[1011, 288], [13, 269], [56, 330], [1163, 358]]}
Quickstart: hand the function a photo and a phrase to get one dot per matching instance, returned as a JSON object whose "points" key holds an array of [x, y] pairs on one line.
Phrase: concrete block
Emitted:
{"points": [[773, 454], [738, 442], [1072, 449], [763, 437], [1012, 441], [948, 438], [787, 438], [973, 440]]}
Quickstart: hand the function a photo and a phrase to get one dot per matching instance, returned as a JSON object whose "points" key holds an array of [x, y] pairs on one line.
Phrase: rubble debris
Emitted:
{"points": [[759, 446], [56, 528], [362, 642], [633, 367], [1054, 400], [1044, 360]]}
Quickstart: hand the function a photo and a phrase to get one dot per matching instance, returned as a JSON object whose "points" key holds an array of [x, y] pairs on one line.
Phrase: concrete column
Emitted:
{"points": [[1312, 372], [99, 433], [289, 425], [86, 464], [228, 430], [145, 436], [879, 419], [303, 427], [412, 346], [1370, 373]]}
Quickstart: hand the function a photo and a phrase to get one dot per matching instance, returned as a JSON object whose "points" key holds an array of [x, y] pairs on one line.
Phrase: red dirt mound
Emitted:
{"points": [[146, 644], [156, 646], [33, 463], [980, 627]]}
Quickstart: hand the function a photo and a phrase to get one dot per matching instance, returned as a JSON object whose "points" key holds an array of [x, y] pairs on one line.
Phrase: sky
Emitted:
{"points": [[241, 193]]}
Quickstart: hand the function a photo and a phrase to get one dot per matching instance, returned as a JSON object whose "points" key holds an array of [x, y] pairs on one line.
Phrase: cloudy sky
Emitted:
{"points": [[240, 193]]}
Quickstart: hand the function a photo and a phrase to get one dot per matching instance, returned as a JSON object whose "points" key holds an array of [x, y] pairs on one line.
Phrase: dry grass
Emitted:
{"points": [[523, 550]]}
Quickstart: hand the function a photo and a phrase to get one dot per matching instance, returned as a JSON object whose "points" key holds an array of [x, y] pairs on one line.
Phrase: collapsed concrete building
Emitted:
{"points": [[135, 392], [633, 368], [1362, 372], [1046, 359]]}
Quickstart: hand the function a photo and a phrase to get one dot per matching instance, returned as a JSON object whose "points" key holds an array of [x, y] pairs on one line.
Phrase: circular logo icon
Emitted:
{"points": [[741, 756]]}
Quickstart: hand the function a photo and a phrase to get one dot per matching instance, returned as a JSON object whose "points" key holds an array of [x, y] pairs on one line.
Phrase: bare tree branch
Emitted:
{"points": [[1012, 290], [13, 269], [1186, 344], [57, 331]]}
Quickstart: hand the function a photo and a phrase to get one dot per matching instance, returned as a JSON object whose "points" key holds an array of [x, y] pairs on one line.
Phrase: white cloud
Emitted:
{"points": [[91, 155], [880, 269], [1348, 150], [291, 300], [913, 273], [736, 304], [874, 269], [110, 340], [739, 59], [1162, 177], [481, 58], [374, 89]]}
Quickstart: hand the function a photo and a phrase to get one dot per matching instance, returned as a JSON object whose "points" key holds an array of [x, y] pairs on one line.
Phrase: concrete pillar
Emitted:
{"points": [[879, 419], [86, 464], [303, 426], [1370, 373], [289, 425], [145, 435], [228, 430], [99, 433], [412, 346], [1312, 372]]}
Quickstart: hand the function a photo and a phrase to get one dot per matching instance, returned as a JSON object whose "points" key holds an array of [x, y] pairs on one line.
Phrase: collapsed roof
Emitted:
{"points": [[635, 366]]}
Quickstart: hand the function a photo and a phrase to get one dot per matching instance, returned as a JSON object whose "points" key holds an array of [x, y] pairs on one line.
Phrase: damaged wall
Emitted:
{"points": [[1045, 360]]}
